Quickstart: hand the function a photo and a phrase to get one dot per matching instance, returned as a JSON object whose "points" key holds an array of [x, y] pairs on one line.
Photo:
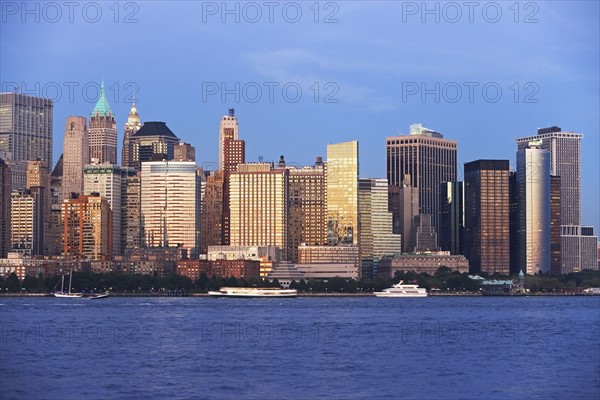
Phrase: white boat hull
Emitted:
{"points": [[386, 294], [68, 295], [254, 293]]}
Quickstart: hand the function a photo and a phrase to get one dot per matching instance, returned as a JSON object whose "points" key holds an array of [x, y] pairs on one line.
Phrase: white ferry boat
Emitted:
{"points": [[253, 292], [402, 290]]}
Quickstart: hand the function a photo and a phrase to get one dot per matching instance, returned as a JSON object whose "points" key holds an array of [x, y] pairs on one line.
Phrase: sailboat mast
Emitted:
{"points": [[70, 279], [62, 284]]}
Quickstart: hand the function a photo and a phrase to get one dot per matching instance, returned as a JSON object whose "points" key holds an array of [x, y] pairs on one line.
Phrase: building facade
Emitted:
{"points": [[487, 229], [75, 156], [5, 193], [87, 228], [25, 133], [404, 205], [184, 152], [228, 130], [107, 180], [342, 193], [132, 125], [565, 161], [452, 217], [170, 205], [25, 229], [429, 159], [578, 246], [131, 210], [259, 207], [307, 207], [376, 233], [533, 198]]}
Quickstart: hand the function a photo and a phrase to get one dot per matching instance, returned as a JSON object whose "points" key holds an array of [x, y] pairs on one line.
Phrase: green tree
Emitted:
{"points": [[12, 283], [29, 283]]}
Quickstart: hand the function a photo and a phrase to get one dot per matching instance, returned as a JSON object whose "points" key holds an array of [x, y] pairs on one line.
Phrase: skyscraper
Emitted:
{"points": [[107, 180], [153, 142], [429, 159], [376, 235], [132, 125], [25, 133], [75, 156], [87, 231], [228, 129], [131, 210], [259, 207], [487, 238], [171, 205], [452, 217], [342, 193], [307, 207], [25, 226], [404, 205], [5, 192], [533, 197], [38, 183], [102, 132], [555, 238], [565, 161], [211, 225], [578, 246]]}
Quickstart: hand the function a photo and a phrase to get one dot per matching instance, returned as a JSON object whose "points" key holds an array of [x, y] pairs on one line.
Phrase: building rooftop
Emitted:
{"points": [[102, 107], [155, 128]]}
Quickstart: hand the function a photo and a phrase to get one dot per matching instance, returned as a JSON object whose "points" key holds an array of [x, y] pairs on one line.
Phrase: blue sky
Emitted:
{"points": [[374, 59]]}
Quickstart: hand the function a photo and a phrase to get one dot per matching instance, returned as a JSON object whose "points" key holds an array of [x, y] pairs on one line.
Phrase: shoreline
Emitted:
{"points": [[8, 295]]}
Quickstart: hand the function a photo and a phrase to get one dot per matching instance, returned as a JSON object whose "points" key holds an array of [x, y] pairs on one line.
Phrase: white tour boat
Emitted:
{"points": [[253, 292], [402, 290]]}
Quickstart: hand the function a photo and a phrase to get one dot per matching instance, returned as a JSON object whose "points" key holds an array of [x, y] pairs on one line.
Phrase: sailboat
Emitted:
{"points": [[62, 288]]}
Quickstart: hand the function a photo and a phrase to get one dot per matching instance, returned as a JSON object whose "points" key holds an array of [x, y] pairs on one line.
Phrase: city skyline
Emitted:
{"points": [[369, 69]]}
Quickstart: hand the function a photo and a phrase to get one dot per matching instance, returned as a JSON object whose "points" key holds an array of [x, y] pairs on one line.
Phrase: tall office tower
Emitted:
{"points": [[132, 125], [555, 239], [376, 234], [403, 202], [452, 217], [228, 129], [53, 240], [578, 246], [487, 229], [87, 231], [25, 227], [533, 197], [25, 133], [131, 210], [75, 156], [5, 192], [184, 152], [102, 132], [211, 225], [170, 206], [307, 207], [153, 142], [429, 159], [232, 152], [259, 207], [342, 193], [426, 235], [107, 180], [513, 212], [565, 156], [38, 183]]}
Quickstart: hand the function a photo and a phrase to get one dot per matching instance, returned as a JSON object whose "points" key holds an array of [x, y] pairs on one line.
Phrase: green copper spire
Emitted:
{"points": [[102, 106]]}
